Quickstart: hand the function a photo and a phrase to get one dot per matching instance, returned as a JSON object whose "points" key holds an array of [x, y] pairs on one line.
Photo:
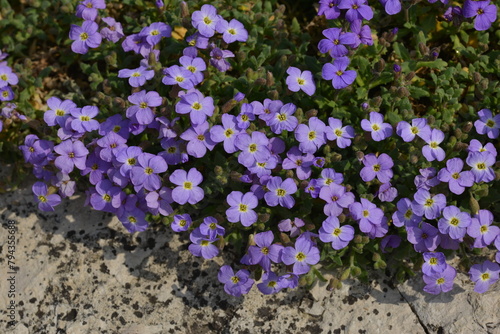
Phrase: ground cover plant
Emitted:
{"points": [[307, 146]]}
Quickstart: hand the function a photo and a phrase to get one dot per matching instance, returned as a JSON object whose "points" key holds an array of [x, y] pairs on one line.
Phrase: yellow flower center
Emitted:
{"points": [[228, 133], [433, 261], [281, 117], [339, 73], [414, 130], [188, 185], [375, 127], [154, 32], [338, 132], [106, 197], [131, 161], [485, 276], [408, 214], [84, 118], [42, 199], [196, 106], [376, 167], [433, 144], [455, 176], [235, 279], [116, 128], [148, 170], [261, 164], [182, 222], [264, 250], [143, 105], [232, 31], [429, 202], [337, 232], [300, 256], [207, 20], [484, 229], [490, 123], [179, 78], [244, 118], [366, 213], [204, 243], [301, 81], [132, 219], [71, 155], [84, 36], [440, 281], [252, 148], [280, 192], [454, 221], [481, 166], [243, 208], [95, 166], [191, 68], [136, 74], [201, 137], [212, 226], [172, 149], [311, 135]]}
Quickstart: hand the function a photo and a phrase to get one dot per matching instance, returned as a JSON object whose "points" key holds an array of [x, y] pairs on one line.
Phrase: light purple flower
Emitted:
{"points": [[280, 192], [391, 6], [339, 236], [454, 222], [304, 253], [253, 148], [379, 130], [428, 205], [342, 134], [329, 8], [7, 77], [211, 228], [432, 151], [264, 250], [337, 199], [87, 9], [434, 263], [336, 41], [457, 180], [199, 140], [142, 102], [404, 216], [196, 105], [487, 123], [481, 229], [269, 284], [85, 37], [202, 245], [181, 222], [137, 77], [386, 192], [45, 202], [232, 31], [187, 189], [418, 127], [235, 284], [114, 32], [84, 119], [298, 80], [367, 214], [71, 154], [484, 275], [356, 10], [312, 136], [337, 73], [195, 65], [425, 238], [292, 226], [476, 146], [301, 163], [379, 167], [145, 173], [241, 209], [176, 75], [283, 119], [481, 163], [329, 176], [155, 32], [205, 20], [440, 282], [227, 133]]}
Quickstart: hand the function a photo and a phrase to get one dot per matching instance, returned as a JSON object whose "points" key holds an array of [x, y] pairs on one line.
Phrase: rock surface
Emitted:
{"points": [[80, 272]]}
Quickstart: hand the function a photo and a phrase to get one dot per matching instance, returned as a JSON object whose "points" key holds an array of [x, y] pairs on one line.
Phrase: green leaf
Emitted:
{"points": [[439, 64], [401, 51]]}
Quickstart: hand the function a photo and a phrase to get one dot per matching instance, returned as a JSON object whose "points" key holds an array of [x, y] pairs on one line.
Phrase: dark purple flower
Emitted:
{"points": [[235, 284], [337, 199], [106, 197], [110, 144], [211, 228], [264, 250], [36, 151], [329, 8], [85, 37], [283, 119], [440, 282], [292, 226], [367, 214], [485, 13], [115, 124], [339, 236], [404, 216], [202, 245], [425, 238], [427, 179], [484, 275], [363, 34], [296, 160], [269, 283], [114, 32], [390, 242], [356, 10], [386, 192], [187, 189], [95, 167], [218, 59], [304, 253], [391, 6], [245, 116], [336, 41], [45, 201]]}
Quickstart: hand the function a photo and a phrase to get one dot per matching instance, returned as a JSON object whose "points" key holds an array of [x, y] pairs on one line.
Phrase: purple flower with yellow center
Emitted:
{"points": [[127, 159], [269, 284], [145, 173], [58, 111], [440, 282], [264, 168], [427, 204], [198, 137], [202, 245], [283, 119], [386, 192], [84, 37], [196, 105], [457, 180], [7, 77], [298, 80], [176, 75], [235, 284], [137, 77], [155, 32], [484, 12], [245, 116], [211, 228], [418, 127], [110, 144], [87, 9], [173, 153], [357, 10], [114, 32], [434, 263], [379, 130], [484, 275], [280, 192], [476, 146], [425, 238], [367, 214], [253, 148], [115, 124], [337, 199], [142, 103], [292, 226], [301, 163], [197, 40], [187, 190], [195, 65], [454, 222], [338, 74], [227, 133], [218, 59], [329, 8], [106, 197], [313, 188], [46, 201], [329, 176], [404, 216], [6, 94], [432, 151], [241, 209], [96, 168], [312, 136], [363, 34], [427, 178], [377, 167], [71, 154], [205, 20], [181, 222], [342, 134], [487, 124], [481, 229], [336, 41], [339, 236], [232, 31], [481, 163], [84, 119], [391, 6], [264, 251], [35, 151], [304, 254]]}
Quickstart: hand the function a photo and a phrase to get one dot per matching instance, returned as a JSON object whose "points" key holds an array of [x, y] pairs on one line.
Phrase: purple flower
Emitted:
{"points": [[6, 94], [110, 144], [84, 37], [232, 31], [379, 130], [432, 151], [484, 275], [457, 180], [454, 222], [197, 40], [66, 186], [425, 238], [264, 250], [283, 119], [485, 13], [45, 201], [114, 32], [391, 6], [304, 253], [176, 75], [269, 283], [379, 167], [427, 179], [335, 42], [434, 263], [337, 199], [253, 148], [187, 189], [476, 146], [181, 223], [428, 205], [199, 140], [218, 59], [211, 228], [241, 209], [337, 73], [155, 32], [87, 9], [405, 216], [298, 80], [196, 105], [312, 136], [335, 131], [302, 163], [205, 20], [363, 34], [487, 123], [386, 192], [137, 77], [235, 284], [390, 242], [83, 119], [481, 163], [145, 173], [329, 8], [127, 158], [280, 192], [227, 133], [331, 231], [71, 154], [356, 10], [367, 214], [106, 197], [418, 127], [202, 245], [194, 65], [36, 151], [292, 226], [7, 77], [481, 229], [245, 116], [142, 102], [440, 282]]}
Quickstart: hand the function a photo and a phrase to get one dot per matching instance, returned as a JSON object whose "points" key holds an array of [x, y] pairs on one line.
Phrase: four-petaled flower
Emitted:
{"points": [[187, 189]]}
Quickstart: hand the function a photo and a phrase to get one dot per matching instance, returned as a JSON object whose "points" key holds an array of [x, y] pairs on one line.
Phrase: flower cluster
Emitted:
{"points": [[7, 79]]}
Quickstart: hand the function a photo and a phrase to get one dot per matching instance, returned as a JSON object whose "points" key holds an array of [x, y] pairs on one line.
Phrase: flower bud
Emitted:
{"points": [[377, 101], [360, 156], [396, 68], [355, 271], [311, 113], [345, 274], [380, 65], [366, 239], [260, 82], [358, 239], [380, 265], [474, 205], [403, 92], [285, 240], [218, 170], [424, 50], [483, 85], [336, 157], [410, 76], [334, 284], [467, 127], [184, 9], [365, 106], [376, 257], [269, 79], [342, 218], [264, 217], [274, 95]]}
